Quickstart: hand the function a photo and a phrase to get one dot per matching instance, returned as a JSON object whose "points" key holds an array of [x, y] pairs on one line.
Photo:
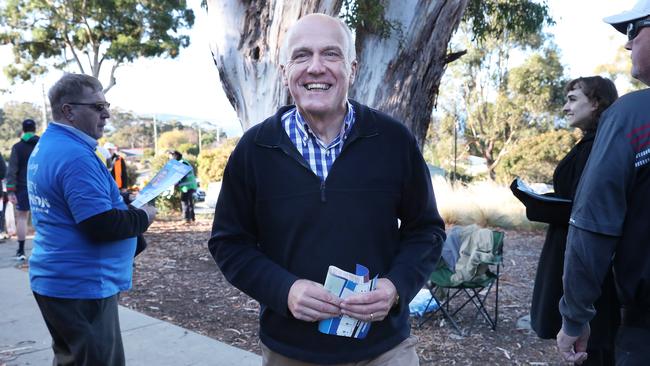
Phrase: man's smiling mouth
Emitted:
{"points": [[317, 86]]}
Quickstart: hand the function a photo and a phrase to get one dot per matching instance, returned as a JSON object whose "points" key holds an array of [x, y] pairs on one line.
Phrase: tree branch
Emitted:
{"points": [[112, 80]]}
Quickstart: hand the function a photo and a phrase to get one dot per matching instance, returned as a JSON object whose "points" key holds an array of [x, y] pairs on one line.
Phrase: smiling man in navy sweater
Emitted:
{"points": [[327, 182]]}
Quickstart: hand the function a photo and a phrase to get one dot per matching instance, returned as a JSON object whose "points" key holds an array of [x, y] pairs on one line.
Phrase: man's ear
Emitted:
{"points": [[353, 71], [66, 110], [285, 78]]}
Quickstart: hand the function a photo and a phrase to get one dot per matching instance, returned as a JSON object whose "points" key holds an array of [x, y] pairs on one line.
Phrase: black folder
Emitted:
{"points": [[546, 208]]}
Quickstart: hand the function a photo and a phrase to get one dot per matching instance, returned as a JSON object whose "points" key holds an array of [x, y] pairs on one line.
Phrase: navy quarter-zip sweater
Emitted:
{"points": [[276, 222]]}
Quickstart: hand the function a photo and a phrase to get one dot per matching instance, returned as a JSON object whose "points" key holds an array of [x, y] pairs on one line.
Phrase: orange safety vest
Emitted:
{"points": [[117, 172]]}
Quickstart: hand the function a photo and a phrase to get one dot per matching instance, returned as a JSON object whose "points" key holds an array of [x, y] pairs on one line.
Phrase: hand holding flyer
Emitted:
{"points": [[344, 284], [169, 175]]}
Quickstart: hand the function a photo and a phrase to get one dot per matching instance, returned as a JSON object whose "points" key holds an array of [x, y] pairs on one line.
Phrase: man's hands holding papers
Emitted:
{"points": [[310, 301], [371, 306]]}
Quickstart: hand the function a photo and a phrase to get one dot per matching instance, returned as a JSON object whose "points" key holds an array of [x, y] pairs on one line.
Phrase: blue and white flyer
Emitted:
{"points": [[169, 175], [344, 284]]}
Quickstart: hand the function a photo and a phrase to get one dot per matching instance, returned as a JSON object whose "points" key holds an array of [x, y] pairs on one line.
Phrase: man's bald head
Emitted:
{"points": [[319, 20]]}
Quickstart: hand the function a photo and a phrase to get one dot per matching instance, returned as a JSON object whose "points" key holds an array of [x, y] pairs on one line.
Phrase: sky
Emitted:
{"points": [[189, 85]]}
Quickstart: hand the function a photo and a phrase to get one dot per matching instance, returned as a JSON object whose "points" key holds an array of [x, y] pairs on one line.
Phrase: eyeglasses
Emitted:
{"points": [[634, 28], [99, 106]]}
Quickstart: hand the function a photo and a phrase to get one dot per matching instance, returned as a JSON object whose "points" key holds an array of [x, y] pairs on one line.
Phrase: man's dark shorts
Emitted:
{"points": [[23, 200]]}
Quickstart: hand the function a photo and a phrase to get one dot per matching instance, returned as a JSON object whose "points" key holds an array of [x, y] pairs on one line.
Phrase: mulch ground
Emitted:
{"points": [[176, 280]]}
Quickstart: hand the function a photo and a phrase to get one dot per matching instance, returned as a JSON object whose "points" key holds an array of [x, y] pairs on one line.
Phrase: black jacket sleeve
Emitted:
{"points": [[115, 224], [3, 168]]}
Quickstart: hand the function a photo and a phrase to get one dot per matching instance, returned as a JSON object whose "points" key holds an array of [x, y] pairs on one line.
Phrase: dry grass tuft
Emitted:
{"points": [[484, 203]]}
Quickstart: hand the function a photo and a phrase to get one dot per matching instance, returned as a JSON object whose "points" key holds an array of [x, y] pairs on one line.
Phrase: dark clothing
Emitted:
{"points": [[115, 224], [632, 346], [3, 167], [545, 315], [187, 204], [22, 199], [609, 221], [17, 172], [277, 222], [610, 215], [3, 201], [84, 332]]}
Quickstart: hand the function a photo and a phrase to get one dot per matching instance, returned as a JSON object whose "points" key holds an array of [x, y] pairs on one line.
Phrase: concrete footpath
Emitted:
{"points": [[24, 339]]}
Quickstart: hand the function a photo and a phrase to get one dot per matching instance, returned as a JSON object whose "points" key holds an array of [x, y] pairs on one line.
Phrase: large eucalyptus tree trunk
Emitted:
{"points": [[247, 36], [399, 75]]}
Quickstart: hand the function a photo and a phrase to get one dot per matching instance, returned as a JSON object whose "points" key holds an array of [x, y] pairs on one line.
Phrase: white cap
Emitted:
{"points": [[109, 146], [620, 21]]}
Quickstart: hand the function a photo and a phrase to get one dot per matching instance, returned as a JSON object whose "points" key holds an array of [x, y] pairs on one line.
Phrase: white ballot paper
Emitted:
{"points": [[169, 175], [344, 284]]}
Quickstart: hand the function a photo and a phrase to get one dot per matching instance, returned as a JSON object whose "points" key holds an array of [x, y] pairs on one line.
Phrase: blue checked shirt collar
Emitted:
{"points": [[318, 156]]}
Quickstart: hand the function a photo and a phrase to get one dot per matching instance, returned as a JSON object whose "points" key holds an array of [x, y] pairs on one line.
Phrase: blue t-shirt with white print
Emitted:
{"points": [[67, 184]]}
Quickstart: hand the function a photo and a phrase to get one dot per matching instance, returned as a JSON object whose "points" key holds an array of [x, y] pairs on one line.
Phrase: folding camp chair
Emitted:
{"points": [[443, 290]]}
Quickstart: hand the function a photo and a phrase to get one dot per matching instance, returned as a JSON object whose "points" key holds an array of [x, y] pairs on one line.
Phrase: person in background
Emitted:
{"points": [[17, 181], [611, 210], [3, 173], [327, 182], [187, 186], [587, 98], [117, 166], [85, 238]]}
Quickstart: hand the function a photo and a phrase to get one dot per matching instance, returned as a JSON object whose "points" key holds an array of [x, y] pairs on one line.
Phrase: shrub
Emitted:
{"points": [[212, 162], [534, 158]]}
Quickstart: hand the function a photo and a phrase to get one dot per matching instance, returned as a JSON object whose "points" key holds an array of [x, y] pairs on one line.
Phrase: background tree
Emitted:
{"points": [[534, 158], [90, 34], [12, 115], [401, 44], [618, 69], [181, 140]]}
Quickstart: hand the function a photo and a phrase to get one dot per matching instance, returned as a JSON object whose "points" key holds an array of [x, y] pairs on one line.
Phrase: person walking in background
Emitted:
{"points": [[587, 98], [17, 181], [327, 182], [3, 173], [85, 234], [187, 186], [117, 166], [609, 222]]}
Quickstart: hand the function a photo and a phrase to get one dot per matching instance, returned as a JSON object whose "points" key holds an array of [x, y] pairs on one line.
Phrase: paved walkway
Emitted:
{"points": [[24, 339]]}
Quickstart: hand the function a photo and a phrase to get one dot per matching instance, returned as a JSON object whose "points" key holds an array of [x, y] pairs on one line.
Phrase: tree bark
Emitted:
{"points": [[246, 42], [401, 75]]}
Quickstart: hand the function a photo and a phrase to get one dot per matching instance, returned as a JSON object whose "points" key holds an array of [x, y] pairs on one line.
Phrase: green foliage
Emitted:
{"points": [[172, 140], [96, 31], [494, 103], [212, 162], [12, 115], [618, 69], [534, 158], [131, 174], [367, 16], [517, 20], [188, 148], [129, 131]]}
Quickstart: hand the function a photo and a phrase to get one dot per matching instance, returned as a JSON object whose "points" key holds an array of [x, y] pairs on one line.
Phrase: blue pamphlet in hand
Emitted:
{"points": [[169, 175], [344, 284]]}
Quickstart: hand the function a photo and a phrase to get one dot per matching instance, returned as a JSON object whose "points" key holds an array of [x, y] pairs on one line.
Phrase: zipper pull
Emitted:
{"points": [[322, 192]]}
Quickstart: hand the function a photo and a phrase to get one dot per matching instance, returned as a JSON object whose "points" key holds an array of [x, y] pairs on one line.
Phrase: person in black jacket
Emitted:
{"points": [[3, 173], [327, 182], [587, 98], [17, 181]]}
